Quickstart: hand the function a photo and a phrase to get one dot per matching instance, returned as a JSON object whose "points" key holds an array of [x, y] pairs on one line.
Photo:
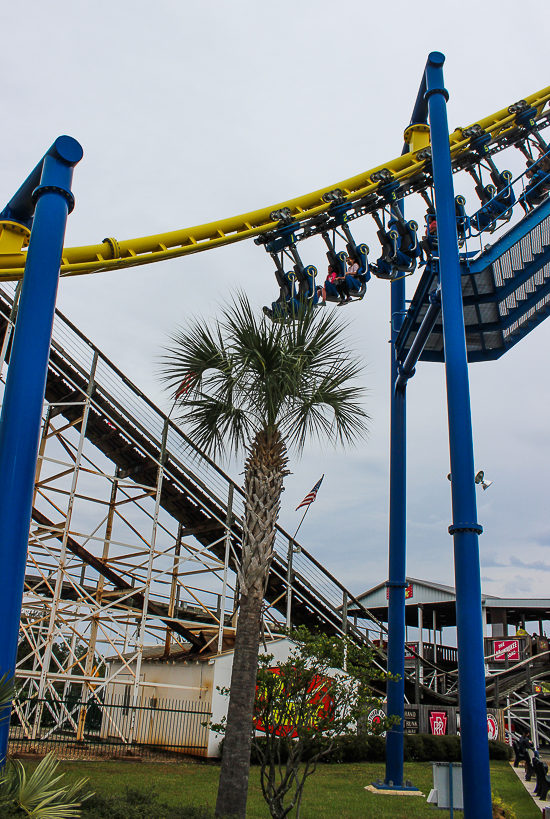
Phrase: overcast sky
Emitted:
{"points": [[193, 111]]}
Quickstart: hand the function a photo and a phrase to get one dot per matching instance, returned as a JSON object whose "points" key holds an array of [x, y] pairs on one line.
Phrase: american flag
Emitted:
{"points": [[185, 385], [310, 497]]}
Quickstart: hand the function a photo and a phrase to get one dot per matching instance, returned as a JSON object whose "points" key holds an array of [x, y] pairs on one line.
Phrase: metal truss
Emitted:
{"points": [[134, 543]]}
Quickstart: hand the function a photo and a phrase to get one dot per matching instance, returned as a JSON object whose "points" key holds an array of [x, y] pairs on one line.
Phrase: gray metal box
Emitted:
{"points": [[441, 793]]}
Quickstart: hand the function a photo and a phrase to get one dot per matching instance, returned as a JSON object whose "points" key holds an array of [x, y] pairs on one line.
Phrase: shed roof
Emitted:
{"points": [[439, 599]]}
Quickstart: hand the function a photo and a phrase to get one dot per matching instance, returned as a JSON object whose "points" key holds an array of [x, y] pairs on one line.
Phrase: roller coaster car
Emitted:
{"points": [[360, 254], [292, 302], [400, 249], [286, 306], [537, 190], [461, 219], [307, 292], [357, 284], [499, 206]]}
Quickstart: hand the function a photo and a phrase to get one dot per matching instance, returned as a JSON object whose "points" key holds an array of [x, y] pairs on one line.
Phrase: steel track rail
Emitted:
{"points": [[115, 255]]}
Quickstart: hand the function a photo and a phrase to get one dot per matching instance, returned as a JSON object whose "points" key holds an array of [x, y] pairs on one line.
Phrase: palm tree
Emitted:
{"points": [[249, 384]]}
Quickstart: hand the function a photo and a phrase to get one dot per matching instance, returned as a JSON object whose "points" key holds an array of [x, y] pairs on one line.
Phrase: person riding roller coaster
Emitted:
{"points": [[335, 286], [352, 280], [400, 250], [498, 204], [539, 183], [287, 305]]}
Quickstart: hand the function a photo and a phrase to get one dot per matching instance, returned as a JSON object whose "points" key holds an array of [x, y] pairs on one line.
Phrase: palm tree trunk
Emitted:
{"points": [[264, 473]]}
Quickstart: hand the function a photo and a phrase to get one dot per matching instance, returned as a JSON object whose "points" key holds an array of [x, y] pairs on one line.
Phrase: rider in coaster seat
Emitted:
{"points": [[307, 291], [335, 286], [539, 186], [499, 206], [399, 251], [428, 245], [286, 306], [353, 282]]}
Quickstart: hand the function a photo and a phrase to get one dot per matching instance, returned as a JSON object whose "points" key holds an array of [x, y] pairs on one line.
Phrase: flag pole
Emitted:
{"points": [[303, 516]]}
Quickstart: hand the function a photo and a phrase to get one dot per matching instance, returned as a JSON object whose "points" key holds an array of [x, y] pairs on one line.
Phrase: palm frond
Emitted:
{"points": [[247, 373], [37, 795], [6, 691]]}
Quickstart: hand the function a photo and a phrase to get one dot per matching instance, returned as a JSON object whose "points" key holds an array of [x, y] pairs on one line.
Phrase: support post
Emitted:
{"points": [[147, 589], [10, 327], [465, 528], [228, 524], [417, 680], [87, 688], [420, 649], [289, 584], [345, 627], [533, 722], [63, 551], [47, 197], [41, 450], [397, 552], [173, 589]]}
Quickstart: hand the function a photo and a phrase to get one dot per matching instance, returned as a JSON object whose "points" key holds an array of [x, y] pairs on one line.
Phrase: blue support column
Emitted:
{"points": [[465, 528], [397, 551], [21, 417]]}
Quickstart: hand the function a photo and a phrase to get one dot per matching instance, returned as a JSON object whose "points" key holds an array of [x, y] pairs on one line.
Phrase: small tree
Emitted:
{"points": [[303, 707]]}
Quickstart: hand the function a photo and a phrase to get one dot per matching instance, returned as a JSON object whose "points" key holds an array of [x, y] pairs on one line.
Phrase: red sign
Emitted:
{"points": [[375, 717], [408, 592], [506, 648], [319, 704], [438, 723]]}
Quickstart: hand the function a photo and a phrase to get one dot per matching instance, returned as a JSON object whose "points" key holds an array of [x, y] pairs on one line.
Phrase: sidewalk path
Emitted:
{"points": [[529, 786]]}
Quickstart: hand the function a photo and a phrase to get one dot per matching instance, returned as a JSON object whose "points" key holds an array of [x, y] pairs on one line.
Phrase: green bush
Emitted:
{"points": [[136, 804], [500, 750], [417, 748], [429, 748]]}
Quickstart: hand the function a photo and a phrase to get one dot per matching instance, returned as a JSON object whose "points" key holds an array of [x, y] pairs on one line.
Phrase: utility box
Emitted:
{"points": [[447, 787]]}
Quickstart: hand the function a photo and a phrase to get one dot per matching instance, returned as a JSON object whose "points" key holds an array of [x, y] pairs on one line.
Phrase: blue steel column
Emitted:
{"points": [[397, 551], [465, 529], [25, 386]]}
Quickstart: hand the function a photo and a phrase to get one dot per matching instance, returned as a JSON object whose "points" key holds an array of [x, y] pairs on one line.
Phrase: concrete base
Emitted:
{"points": [[395, 790]]}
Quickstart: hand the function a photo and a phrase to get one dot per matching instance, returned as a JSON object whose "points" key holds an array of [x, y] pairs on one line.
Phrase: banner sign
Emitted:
{"points": [[319, 704], [506, 648], [408, 592]]}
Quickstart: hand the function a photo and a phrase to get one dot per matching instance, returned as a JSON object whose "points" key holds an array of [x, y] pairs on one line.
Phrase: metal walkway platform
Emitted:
{"points": [[505, 289]]}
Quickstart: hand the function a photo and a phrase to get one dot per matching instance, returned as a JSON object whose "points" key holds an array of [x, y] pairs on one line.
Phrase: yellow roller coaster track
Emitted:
{"points": [[114, 255]]}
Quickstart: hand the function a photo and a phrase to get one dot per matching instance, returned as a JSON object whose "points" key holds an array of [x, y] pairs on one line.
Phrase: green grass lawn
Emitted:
{"points": [[333, 792]]}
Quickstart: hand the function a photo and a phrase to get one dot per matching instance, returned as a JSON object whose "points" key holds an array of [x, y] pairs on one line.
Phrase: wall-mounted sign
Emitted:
{"points": [[410, 721], [438, 723], [375, 717], [492, 727], [506, 648]]}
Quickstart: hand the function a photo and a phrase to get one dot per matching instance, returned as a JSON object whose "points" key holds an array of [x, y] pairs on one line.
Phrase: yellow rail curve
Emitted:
{"points": [[114, 255]]}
